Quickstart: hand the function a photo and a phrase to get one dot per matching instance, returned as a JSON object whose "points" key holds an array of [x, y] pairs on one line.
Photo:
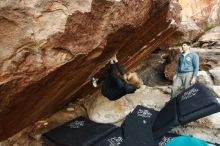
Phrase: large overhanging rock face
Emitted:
{"points": [[51, 49]]}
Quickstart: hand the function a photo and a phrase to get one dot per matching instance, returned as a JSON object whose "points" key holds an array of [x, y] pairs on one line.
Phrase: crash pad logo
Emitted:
{"points": [[115, 141], [192, 92], [144, 113], [76, 124], [164, 141]]}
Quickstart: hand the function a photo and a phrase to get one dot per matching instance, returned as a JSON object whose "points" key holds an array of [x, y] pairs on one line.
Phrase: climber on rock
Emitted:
{"points": [[115, 86], [186, 70]]}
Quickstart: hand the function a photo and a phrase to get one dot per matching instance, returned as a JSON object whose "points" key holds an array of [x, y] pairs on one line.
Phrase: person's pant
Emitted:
{"points": [[182, 79]]}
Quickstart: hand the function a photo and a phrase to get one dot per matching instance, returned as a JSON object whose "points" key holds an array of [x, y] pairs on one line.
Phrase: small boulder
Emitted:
{"points": [[216, 75], [205, 78], [212, 35]]}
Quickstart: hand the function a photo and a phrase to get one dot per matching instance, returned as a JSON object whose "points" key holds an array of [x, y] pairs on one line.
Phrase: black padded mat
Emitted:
{"points": [[129, 141], [115, 138], [196, 102], [166, 119], [78, 132], [137, 126]]}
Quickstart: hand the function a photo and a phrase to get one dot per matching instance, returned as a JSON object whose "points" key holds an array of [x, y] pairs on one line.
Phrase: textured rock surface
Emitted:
{"points": [[205, 78], [216, 76], [213, 35], [196, 16], [190, 30], [215, 89], [151, 69], [170, 68], [214, 17], [50, 49], [198, 10]]}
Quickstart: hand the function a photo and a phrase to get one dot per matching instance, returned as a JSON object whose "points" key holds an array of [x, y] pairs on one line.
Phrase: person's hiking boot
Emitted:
{"points": [[94, 82]]}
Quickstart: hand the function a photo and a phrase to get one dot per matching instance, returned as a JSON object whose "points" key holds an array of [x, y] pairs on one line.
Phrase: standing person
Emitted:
{"points": [[115, 86], [186, 70]]}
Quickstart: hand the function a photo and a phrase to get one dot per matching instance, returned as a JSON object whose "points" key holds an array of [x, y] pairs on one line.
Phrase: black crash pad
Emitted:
{"points": [[115, 138], [78, 132], [137, 126], [166, 119], [129, 141], [196, 102]]}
